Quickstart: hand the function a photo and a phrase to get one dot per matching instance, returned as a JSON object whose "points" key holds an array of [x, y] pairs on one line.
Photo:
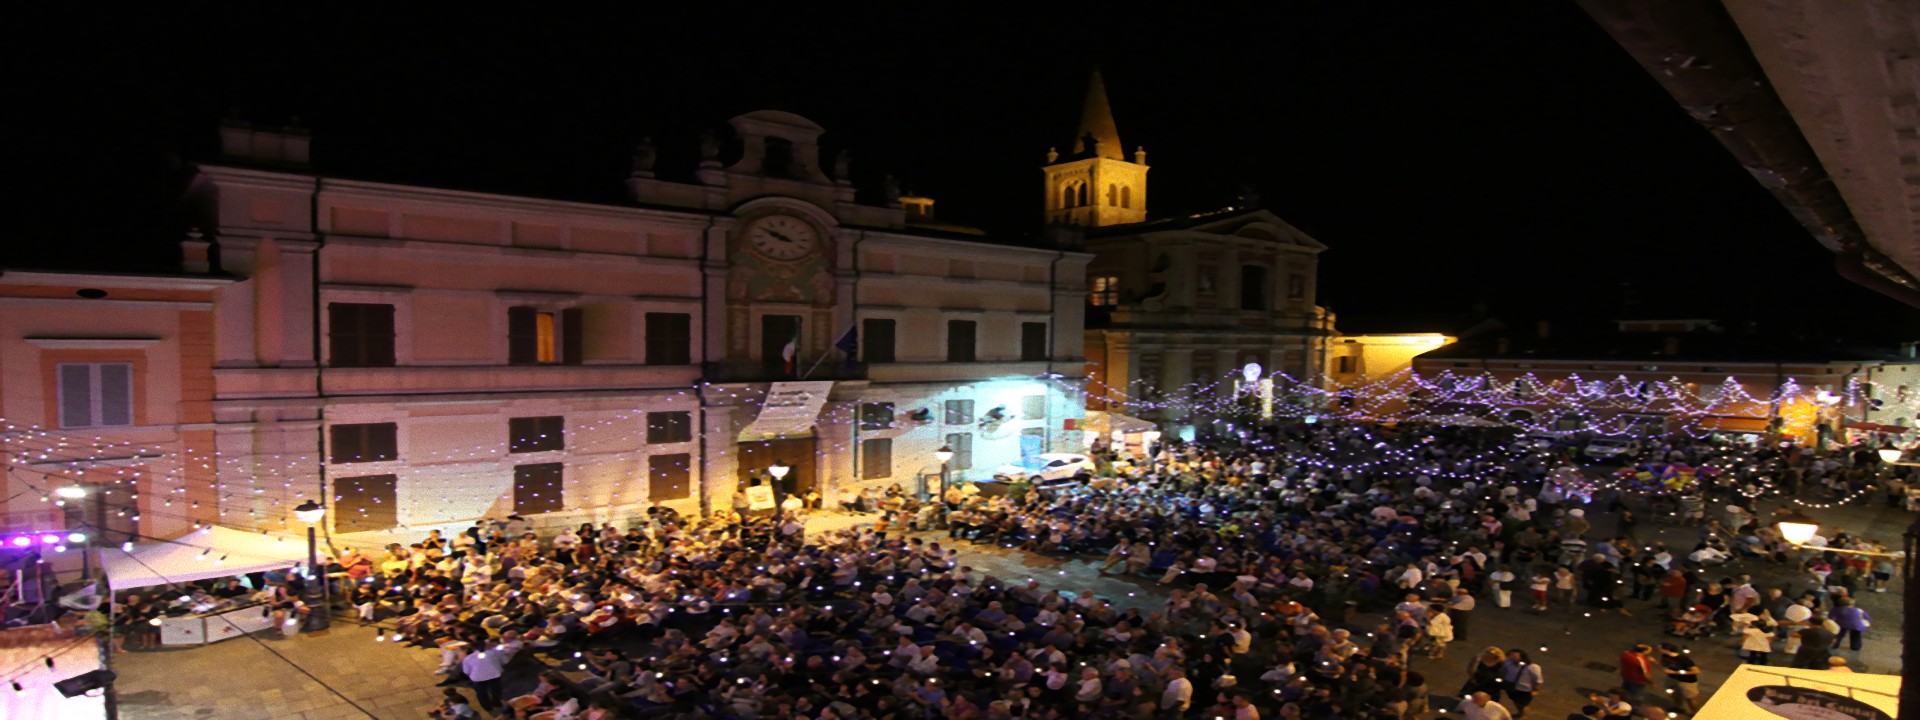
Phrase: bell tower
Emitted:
{"points": [[1095, 185]]}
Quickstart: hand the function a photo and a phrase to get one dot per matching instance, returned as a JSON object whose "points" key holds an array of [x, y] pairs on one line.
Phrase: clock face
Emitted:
{"points": [[783, 237]]}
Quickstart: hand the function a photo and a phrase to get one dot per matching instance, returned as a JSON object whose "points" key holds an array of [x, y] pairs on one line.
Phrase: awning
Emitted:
{"points": [[1101, 421], [210, 552], [1802, 693], [1733, 424]]}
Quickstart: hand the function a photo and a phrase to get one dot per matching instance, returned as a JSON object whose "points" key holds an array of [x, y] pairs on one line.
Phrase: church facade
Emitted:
{"points": [[419, 356], [1181, 305]]}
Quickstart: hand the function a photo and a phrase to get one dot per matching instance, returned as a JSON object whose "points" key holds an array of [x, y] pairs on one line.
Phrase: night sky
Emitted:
{"points": [[1455, 157]]}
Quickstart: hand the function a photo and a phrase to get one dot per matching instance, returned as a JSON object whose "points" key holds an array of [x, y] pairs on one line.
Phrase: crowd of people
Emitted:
{"points": [[1271, 548]]}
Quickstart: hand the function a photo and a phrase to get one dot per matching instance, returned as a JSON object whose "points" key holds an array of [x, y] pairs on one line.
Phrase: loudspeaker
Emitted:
{"points": [[83, 683]]}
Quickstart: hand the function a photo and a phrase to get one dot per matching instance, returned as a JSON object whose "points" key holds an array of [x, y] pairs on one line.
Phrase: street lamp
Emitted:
{"points": [[1890, 454], [779, 470], [944, 454], [311, 513], [1798, 528]]}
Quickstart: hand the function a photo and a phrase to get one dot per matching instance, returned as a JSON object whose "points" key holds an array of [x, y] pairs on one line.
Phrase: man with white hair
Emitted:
{"points": [[1480, 706]]}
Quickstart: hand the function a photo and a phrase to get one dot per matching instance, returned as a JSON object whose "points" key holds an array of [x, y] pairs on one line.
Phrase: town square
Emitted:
{"points": [[1493, 361]]}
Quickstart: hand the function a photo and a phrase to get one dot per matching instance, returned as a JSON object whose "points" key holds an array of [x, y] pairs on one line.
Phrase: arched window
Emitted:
{"points": [[1066, 196], [1082, 195], [1113, 195], [1126, 197]]}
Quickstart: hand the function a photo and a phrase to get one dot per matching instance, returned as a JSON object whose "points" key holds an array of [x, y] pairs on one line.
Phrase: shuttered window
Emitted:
{"points": [[876, 416], [876, 340], [360, 334], [959, 412], [669, 477], [962, 446], [1033, 407], [669, 339], [876, 459], [536, 434], [537, 488], [364, 442], [960, 336], [95, 394], [669, 427], [367, 502], [1033, 341]]}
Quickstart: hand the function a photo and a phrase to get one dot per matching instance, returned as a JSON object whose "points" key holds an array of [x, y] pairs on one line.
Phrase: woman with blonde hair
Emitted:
{"points": [[1485, 673]]}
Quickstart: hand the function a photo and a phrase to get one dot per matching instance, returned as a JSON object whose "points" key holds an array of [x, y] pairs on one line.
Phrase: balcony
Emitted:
{"points": [[418, 380]]}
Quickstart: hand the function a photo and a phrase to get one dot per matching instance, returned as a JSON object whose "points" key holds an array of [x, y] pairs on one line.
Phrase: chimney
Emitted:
{"points": [[1672, 346], [1542, 329], [195, 253]]}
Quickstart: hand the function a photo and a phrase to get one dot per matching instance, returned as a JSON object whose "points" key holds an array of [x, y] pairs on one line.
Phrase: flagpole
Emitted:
{"points": [[823, 356], [816, 364]]}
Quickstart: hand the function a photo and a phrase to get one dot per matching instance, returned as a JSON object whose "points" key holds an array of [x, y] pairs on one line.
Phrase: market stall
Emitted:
{"points": [[1124, 431], [208, 553]]}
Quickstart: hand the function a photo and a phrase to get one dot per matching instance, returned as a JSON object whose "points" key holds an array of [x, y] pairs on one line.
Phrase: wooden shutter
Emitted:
{"points": [[669, 339], [364, 442], [116, 394], [536, 434], [960, 341], [523, 335], [573, 336], [669, 427], [877, 340], [1033, 341], [876, 459], [76, 395], [368, 502], [962, 446], [669, 477], [537, 488]]}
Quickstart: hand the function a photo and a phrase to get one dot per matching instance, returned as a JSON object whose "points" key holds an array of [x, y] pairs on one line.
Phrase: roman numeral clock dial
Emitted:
{"points": [[783, 238]]}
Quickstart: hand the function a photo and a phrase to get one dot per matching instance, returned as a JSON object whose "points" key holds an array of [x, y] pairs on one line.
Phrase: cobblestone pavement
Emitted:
{"points": [[259, 680]]}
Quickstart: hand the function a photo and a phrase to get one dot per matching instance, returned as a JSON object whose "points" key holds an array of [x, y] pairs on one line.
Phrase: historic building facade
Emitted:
{"points": [[422, 356], [1180, 301], [106, 387]]}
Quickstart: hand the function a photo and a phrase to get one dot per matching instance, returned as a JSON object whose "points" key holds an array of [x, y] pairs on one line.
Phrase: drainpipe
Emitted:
{"points": [[700, 385], [853, 451], [319, 385], [1053, 330]]}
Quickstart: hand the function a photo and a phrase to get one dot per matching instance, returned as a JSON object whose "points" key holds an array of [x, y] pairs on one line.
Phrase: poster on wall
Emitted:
{"points": [[790, 408], [760, 497]]}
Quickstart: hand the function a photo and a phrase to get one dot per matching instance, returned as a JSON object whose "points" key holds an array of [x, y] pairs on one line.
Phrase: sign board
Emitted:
{"points": [[1801, 703], [760, 497], [790, 408]]}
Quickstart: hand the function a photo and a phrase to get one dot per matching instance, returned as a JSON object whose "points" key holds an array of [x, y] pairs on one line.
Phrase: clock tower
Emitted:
{"points": [[1095, 186]]}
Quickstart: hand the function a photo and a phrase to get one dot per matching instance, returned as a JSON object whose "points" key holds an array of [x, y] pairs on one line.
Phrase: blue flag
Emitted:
{"points": [[850, 344]]}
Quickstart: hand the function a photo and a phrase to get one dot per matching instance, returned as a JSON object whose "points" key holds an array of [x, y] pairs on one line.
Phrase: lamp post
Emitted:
{"points": [[944, 454], [311, 513], [779, 472], [1797, 528]]}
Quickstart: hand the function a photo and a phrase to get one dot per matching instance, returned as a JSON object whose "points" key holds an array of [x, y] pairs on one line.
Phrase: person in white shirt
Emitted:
{"points": [[1480, 706], [1179, 692]]}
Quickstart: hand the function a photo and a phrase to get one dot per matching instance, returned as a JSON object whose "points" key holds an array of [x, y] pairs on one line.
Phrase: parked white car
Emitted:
{"points": [[1608, 448], [1048, 469]]}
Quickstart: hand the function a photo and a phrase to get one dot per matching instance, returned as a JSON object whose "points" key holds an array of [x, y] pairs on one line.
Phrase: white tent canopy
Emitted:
{"points": [[1106, 422], [210, 552], [1755, 692]]}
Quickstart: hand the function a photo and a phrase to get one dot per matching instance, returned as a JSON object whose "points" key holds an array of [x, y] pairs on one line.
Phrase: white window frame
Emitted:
{"points": [[94, 412]]}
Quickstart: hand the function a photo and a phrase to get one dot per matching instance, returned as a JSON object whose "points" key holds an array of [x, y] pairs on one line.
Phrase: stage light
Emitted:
{"points": [[49, 539], [22, 541]]}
